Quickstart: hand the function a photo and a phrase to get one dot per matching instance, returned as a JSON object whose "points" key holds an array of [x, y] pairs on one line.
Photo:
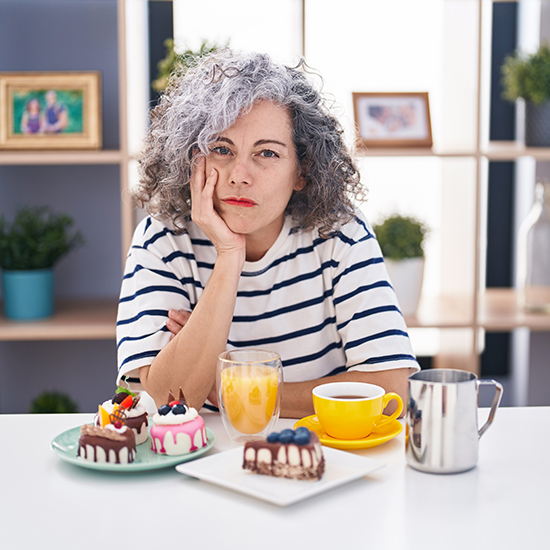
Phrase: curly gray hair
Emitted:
{"points": [[198, 106]]}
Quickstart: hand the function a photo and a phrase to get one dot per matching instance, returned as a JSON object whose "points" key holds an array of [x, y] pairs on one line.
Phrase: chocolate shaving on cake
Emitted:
{"points": [[170, 397], [135, 401], [96, 431], [182, 399]]}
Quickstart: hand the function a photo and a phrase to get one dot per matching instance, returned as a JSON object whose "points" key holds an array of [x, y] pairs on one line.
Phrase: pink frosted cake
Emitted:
{"points": [[136, 414], [177, 428]]}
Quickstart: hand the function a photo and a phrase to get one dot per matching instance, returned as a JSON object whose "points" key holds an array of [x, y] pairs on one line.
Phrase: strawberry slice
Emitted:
{"points": [[127, 402]]}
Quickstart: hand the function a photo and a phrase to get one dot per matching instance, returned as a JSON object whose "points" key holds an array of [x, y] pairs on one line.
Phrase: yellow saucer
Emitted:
{"points": [[373, 440]]}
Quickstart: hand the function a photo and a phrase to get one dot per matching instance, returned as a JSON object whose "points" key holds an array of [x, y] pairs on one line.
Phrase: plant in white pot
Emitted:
{"points": [[29, 247], [527, 76], [401, 239]]}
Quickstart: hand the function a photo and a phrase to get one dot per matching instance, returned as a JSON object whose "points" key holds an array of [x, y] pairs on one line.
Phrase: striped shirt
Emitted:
{"points": [[325, 305]]}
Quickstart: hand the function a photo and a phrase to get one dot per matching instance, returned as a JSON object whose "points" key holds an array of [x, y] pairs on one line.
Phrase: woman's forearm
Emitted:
{"points": [[189, 360], [297, 401]]}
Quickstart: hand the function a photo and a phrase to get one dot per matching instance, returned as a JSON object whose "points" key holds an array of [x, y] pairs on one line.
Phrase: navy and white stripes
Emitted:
{"points": [[324, 304]]}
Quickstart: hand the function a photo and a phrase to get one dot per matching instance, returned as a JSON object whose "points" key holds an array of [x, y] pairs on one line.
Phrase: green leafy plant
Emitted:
{"points": [[178, 63], [36, 239], [401, 237], [53, 402], [527, 76]]}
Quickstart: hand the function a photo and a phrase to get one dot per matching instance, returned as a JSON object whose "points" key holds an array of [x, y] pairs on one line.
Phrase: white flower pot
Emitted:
{"points": [[406, 277]]}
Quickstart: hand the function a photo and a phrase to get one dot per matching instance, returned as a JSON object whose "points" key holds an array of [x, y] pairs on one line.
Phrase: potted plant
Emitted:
{"points": [[527, 76], [53, 402], [401, 239], [178, 63], [29, 248]]}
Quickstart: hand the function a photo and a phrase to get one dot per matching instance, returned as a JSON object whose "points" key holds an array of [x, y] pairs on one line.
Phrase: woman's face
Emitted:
{"points": [[258, 171]]}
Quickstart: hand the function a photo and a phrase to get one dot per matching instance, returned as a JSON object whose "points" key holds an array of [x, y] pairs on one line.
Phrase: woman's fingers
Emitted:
{"points": [[176, 321]]}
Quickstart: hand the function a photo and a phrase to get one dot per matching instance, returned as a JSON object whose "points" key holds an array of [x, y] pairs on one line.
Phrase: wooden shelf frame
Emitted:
{"points": [[22, 158], [72, 320], [487, 309]]}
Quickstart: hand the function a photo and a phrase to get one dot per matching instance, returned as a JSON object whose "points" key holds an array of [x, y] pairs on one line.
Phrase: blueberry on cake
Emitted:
{"points": [[294, 454]]}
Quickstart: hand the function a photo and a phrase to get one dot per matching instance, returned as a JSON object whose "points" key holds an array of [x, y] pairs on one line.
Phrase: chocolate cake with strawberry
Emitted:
{"points": [[136, 415]]}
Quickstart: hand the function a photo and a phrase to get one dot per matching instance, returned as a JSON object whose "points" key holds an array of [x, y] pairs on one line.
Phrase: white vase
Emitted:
{"points": [[406, 277]]}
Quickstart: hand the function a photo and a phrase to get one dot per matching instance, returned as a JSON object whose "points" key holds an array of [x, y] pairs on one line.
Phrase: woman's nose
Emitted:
{"points": [[241, 171]]}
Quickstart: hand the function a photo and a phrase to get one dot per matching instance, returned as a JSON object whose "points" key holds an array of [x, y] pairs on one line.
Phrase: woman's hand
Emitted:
{"points": [[176, 321], [204, 214]]}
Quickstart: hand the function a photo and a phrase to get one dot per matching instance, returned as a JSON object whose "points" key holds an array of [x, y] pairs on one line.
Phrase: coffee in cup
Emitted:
{"points": [[353, 410]]}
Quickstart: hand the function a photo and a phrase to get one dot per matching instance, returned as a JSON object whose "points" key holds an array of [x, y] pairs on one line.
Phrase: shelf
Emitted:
{"points": [[414, 152], [512, 150], [443, 312], [499, 312], [60, 157], [72, 320]]}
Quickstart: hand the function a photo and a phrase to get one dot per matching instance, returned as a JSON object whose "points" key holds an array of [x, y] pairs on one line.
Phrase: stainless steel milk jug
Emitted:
{"points": [[442, 432]]}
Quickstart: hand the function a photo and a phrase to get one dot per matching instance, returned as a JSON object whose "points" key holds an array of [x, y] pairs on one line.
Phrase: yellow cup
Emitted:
{"points": [[353, 410]]}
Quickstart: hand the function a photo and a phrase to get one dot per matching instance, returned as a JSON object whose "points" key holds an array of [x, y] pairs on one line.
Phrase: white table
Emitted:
{"points": [[503, 503]]}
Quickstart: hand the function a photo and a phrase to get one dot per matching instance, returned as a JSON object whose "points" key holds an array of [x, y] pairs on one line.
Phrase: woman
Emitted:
{"points": [[254, 242]]}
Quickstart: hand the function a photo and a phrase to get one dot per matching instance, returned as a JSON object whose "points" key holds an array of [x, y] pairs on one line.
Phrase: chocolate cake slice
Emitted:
{"points": [[106, 445], [291, 454]]}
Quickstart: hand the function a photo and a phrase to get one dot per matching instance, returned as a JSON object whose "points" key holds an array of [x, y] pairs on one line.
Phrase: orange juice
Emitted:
{"points": [[249, 394]]}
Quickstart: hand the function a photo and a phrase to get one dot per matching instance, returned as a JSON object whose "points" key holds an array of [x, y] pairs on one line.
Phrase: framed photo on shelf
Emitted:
{"points": [[392, 119], [50, 110]]}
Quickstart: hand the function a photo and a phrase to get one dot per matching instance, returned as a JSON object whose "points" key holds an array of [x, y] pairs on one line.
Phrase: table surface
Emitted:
{"points": [[502, 503]]}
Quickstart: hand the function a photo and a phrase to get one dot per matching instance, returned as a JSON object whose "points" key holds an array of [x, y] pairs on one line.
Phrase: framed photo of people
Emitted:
{"points": [[392, 119], [50, 110]]}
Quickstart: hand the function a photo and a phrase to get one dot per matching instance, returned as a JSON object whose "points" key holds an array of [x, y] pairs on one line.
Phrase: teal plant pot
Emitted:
{"points": [[28, 294]]}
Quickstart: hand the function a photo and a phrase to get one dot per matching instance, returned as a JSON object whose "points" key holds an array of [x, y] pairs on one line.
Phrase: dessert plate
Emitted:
{"points": [[225, 469], [65, 446], [373, 440]]}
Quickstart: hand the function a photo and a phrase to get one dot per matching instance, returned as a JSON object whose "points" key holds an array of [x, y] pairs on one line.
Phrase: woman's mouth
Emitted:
{"points": [[233, 201]]}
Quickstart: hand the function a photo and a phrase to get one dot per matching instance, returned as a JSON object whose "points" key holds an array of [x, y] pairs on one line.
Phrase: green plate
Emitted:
{"points": [[65, 446]]}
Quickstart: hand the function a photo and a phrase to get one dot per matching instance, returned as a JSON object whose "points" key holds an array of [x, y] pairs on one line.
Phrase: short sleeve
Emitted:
{"points": [[151, 286], [373, 332]]}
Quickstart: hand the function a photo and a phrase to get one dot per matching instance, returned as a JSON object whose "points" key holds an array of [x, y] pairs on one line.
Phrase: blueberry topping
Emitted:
{"points": [[273, 437], [286, 436], [179, 409], [164, 410], [301, 438], [301, 429]]}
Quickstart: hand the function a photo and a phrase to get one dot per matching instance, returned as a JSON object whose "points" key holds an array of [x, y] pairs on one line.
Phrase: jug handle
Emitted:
{"points": [[494, 405]]}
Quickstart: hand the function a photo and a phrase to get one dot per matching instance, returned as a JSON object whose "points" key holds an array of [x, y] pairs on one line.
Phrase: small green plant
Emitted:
{"points": [[401, 237], [178, 63], [36, 239], [527, 76], [53, 402]]}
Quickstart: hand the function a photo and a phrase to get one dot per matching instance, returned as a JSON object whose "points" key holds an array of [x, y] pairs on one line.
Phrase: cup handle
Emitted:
{"points": [[385, 401], [494, 405]]}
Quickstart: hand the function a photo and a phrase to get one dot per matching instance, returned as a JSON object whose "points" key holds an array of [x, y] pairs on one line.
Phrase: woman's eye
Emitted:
{"points": [[221, 150], [268, 153]]}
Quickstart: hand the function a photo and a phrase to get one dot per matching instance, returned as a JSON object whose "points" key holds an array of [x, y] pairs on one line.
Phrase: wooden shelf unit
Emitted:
{"points": [[489, 309], [83, 319]]}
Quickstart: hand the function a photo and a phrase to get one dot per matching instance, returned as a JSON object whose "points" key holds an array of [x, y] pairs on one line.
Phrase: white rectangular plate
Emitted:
{"points": [[225, 469]]}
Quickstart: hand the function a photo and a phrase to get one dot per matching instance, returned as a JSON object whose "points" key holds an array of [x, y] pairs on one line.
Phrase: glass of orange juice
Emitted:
{"points": [[249, 385]]}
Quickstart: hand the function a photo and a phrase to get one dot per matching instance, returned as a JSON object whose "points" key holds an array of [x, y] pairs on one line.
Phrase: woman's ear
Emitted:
{"points": [[300, 183]]}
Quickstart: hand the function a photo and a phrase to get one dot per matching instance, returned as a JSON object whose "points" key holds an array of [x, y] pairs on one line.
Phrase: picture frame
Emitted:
{"points": [[50, 110], [392, 119]]}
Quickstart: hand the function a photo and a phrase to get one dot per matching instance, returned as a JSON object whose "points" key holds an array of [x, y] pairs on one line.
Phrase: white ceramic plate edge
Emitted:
{"points": [[225, 470]]}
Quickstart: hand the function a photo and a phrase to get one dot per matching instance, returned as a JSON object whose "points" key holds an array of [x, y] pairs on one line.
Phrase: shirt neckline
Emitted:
{"points": [[251, 268]]}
